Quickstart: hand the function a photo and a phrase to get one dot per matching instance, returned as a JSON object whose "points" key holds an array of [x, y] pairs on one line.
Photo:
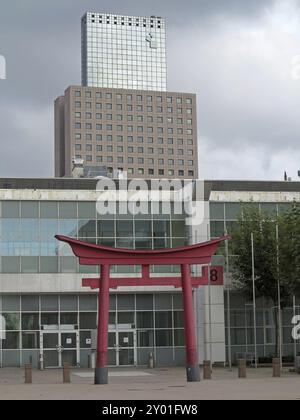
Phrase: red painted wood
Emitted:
{"points": [[115, 282], [90, 254], [103, 317], [189, 317]]}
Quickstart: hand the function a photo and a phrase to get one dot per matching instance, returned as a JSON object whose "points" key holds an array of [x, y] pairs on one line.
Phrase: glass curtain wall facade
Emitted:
{"points": [[223, 217], [61, 326], [126, 52]]}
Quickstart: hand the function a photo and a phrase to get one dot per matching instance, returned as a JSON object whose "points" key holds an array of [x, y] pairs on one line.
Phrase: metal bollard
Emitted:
{"points": [[206, 369], [66, 373], [28, 374], [242, 368], [276, 368], [151, 360]]}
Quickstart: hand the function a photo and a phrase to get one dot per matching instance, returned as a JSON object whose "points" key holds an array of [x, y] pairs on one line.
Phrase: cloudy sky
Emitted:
{"points": [[241, 57]]}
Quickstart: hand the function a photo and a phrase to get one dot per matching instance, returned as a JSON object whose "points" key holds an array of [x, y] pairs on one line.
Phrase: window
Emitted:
{"points": [[88, 147], [119, 96], [120, 159], [88, 136], [119, 107], [129, 139], [179, 100], [181, 162], [171, 172], [141, 171], [139, 108], [88, 105], [77, 114], [189, 101], [139, 98], [189, 111], [190, 162], [109, 127], [140, 161], [150, 118], [159, 109], [78, 126], [161, 161], [77, 104], [179, 121], [150, 129], [140, 129], [170, 130], [129, 107], [160, 151], [151, 171], [161, 172], [120, 139], [190, 142], [88, 158], [129, 117], [179, 131], [108, 106], [170, 109], [77, 93], [98, 127], [180, 172], [170, 151], [150, 150], [99, 148], [98, 116], [180, 152], [140, 139], [150, 139], [159, 98], [129, 128], [179, 110], [140, 118], [149, 98], [170, 161], [109, 148], [77, 146], [160, 130], [88, 94], [189, 121], [129, 97], [109, 116], [108, 95], [109, 137], [130, 149], [140, 150], [189, 131], [99, 137], [130, 159], [169, 99], [130, 171], [98, 105], [88, 126], [149, 109], [109, 159], [98, 159], [191, 173], [78, 136], [180, 142], [120, 117], [151, 161]]}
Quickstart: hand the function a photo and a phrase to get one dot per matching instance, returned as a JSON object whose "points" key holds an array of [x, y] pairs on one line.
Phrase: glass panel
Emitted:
{"points": [[12, 341], [49, 303], [29, 265], [68, 265], [87, 210], [126, 318], [10, 303], [144, 319], [30, 322], [163, 301], [178, 319], [126, 339], [178, 228], [68, 228], [88, 302], [67, 210], [10, 209], [124, 228], [86, 229], [161, 228], [216, 211], [106, 229], [68, 319], [85, 339], [143, 228], [49, 210], [68, 340], [69, 303], [232, 211], [163, 319], [112, 339], [29, 303], [69, 356], [87, 321], [179, 338], [50, 320], [48, 264], [29, 209], [10, 265], [126, 357], [51, 358], [164, 338], [144, 302], [30, 340], [145, 338], [12, 321], [50, 341], [126, 302]]}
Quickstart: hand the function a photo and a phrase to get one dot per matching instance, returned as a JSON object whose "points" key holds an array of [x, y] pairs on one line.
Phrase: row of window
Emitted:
{"points": [[139, 118], [138, 98], [132, 160], [131, 129], [139, 108], [120, 149], [131, 139]]}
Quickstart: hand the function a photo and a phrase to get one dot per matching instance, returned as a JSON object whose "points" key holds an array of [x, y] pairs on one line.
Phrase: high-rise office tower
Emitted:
{"points": [[123, 52], [122, 119]]}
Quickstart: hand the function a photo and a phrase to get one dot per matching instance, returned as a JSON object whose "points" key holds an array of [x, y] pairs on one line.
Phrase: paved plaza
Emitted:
{"points": [[145, 384]]}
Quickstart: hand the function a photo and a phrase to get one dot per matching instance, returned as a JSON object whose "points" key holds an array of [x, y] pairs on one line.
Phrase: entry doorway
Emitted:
{"points": [[58, 347], [122, 348]]}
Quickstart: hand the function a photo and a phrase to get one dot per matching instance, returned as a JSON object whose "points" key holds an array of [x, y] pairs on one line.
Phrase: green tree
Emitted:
{"points": [[268, 264]]}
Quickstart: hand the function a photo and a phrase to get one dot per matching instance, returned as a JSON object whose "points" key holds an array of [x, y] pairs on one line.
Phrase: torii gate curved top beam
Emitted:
{"points": [[90, 254]]}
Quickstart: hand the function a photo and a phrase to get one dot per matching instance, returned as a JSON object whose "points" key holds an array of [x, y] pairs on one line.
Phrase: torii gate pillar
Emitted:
{"points": [[192, 364]]}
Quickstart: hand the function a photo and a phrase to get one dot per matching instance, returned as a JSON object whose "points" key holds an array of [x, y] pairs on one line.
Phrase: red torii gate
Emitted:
{"points": [[104, 257]]}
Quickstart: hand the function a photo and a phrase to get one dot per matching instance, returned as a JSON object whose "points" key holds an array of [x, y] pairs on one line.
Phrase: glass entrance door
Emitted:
{"points": [[122, 348], [58, 347]]}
